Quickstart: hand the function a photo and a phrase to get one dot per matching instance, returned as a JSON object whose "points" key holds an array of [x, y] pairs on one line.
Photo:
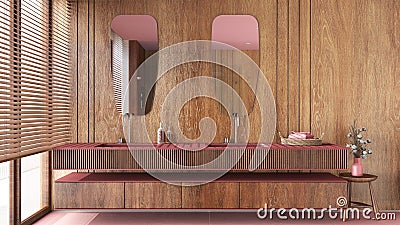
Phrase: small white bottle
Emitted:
{"points": [[160, 135], [169, 136]]}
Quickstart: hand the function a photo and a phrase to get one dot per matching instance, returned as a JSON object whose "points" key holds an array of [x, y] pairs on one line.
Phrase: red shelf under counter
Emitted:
{"points": [[76, 177]]}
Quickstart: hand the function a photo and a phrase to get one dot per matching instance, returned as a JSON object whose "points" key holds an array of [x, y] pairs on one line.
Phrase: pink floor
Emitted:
{"points": [[184, 218]]}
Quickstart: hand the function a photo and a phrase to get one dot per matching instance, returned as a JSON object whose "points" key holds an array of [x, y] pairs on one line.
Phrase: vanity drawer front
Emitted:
{"points": [[88, 195], [152, 195], [291, 195], [211, 195]]}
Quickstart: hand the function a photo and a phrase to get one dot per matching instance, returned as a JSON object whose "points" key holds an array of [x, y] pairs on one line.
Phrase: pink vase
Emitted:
{"points": [[356, 168]]}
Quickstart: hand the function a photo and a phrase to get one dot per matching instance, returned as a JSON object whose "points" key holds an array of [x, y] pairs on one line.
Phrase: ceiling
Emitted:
{"points": [[240, 31], [142, 28]]}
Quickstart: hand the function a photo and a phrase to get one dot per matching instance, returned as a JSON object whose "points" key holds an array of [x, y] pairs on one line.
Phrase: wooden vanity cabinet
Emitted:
{"points": [[232, 191]]}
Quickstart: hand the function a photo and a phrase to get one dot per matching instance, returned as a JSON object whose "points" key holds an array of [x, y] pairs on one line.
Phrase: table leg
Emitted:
{"points": [[349, 194], [348, 201], [374, 205]]}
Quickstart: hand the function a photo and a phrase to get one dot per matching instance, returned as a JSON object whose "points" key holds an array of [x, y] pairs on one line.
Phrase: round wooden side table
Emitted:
{"points": [[362, 179]]}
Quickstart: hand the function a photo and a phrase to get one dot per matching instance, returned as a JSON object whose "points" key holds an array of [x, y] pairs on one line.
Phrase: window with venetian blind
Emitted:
{"points": [[34, 76]]}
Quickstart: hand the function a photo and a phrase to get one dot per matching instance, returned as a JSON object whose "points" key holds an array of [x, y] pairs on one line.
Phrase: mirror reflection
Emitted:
{"points": [[133, 39], [241, 32]]}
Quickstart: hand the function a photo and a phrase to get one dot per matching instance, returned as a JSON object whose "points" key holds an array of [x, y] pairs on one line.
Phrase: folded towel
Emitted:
{"points": [[301, 135]]}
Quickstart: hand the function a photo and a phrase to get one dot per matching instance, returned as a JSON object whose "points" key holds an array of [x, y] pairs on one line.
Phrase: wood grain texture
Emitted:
{"points": [[282, 95], [89, 195], [180, 27], [55, 175], [91, 72], [211, 195], [107, 119], [83, 71], [294, 66], [152, 195], [355, 58], [158, 195], [305, 66], [268, 24], [74, 72], [347, 57], [289, 195], [292, 159]]}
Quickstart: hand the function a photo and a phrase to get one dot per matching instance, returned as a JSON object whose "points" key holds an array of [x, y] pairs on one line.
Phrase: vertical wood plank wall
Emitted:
{"points": [[355, 68], [327, 61]]}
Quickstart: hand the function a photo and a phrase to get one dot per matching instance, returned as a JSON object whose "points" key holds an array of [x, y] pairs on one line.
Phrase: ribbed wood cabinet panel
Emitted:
{"points": [[275, 159], [211, 195], [291, 195], [89, 195], [152, 195]]}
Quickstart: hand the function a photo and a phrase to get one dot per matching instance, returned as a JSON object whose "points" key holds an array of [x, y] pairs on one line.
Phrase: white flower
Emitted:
{"points": [[348, 145], [361, 141], [368, 140], [354, 147], [364, 152], [349, 135], [364, 156], [364, 129], [359, 136], [355, 151], [369, 151]]}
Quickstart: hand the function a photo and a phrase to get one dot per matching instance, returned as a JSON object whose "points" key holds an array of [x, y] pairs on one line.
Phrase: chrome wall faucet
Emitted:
{"points": [[236, 124]]}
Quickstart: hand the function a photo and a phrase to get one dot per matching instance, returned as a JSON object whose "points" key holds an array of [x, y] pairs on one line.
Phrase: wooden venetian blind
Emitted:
{"points": [[117, 68], [34, 76]]}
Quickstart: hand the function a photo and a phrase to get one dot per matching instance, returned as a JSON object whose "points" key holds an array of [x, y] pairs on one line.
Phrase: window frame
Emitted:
{"points": [[15, 163], [15, 191]]}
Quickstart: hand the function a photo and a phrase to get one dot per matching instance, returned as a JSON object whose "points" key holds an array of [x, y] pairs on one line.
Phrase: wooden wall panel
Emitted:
{"points": [[91, 72], [170, 32], [305, 66], [211, 195], [355, 58], [293, 70], [294, 66], [282, 80], [152, 195], [83, 72], [327, 62], [74, 71], [267, 22], [107, 119], [74, 92]]}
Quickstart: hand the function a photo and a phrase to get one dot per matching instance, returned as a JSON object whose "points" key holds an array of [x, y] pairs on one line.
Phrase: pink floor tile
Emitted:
{"points": [[70, 218], [186, 218], [152, 218], [51, 218]]}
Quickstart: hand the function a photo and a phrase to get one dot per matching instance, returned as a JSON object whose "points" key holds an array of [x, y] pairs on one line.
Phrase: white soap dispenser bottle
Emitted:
{"points": [[160, 135], [169, 135]]}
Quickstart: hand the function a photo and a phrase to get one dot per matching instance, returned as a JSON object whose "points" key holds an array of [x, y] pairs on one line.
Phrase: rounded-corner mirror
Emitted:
{"points": [[134, 38], [241, 32]]}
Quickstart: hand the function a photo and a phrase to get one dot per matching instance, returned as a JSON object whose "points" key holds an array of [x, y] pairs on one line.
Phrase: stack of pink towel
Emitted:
{"points": [[301, 135]]}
